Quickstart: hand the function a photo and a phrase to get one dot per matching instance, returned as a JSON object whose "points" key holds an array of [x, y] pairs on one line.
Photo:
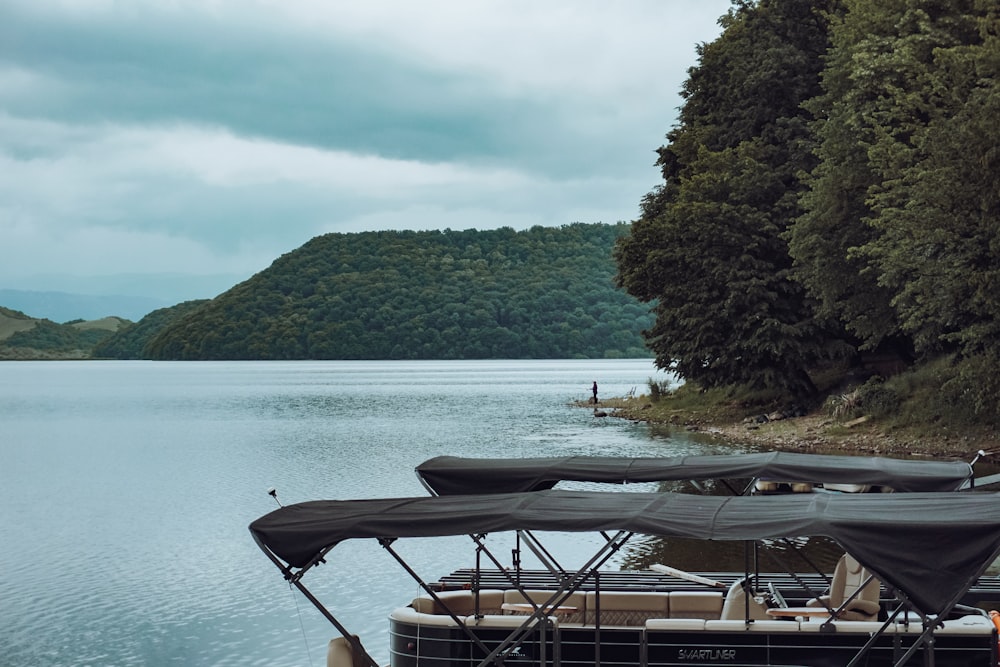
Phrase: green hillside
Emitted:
{"points": [[24, 337], [541, 293], [130, 343]]}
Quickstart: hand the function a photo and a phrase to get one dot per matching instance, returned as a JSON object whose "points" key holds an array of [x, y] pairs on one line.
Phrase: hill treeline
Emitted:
{"points": [[541, 293], [25, 337], [832, 188]]}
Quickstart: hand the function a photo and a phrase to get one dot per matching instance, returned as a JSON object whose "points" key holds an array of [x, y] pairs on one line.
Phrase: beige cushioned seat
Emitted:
{"points": [[848, 576], [734, 607]]}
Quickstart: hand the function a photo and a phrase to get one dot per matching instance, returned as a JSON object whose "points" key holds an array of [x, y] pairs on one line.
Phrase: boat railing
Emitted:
{"points": [[654, 615], [657, 610]]}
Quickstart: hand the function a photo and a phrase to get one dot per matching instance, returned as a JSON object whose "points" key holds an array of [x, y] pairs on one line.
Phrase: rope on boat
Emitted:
{"points": [[302, 626]]}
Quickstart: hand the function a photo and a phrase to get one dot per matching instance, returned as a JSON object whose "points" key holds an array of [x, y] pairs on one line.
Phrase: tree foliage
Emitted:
{"points": [[900, 235], [49, 336], [709, 248], [835, 174], [542, 293], [130, 342]]}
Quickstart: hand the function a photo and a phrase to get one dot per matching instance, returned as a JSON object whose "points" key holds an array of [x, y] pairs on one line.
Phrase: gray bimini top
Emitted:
{"points": [[450, 475], [930, 546]]}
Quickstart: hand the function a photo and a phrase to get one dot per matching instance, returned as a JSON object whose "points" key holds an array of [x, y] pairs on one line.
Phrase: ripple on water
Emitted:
{"points": [[129, 488]]}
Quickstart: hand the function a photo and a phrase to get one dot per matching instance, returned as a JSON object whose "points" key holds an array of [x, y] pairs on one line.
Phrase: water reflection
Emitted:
{"points": [[729, 556], [129, 487]]}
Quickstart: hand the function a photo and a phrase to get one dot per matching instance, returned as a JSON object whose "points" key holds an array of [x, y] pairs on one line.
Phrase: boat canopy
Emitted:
{"points": [[450, 475], [930, 546]]}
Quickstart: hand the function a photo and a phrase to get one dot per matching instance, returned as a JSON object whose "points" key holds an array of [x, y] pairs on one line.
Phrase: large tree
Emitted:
{"points": [[899, 232], [709, 247], [936, 209], [835, 222]]}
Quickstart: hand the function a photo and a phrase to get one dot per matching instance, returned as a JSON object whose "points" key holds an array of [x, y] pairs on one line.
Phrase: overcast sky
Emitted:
{"points": [[205, 137]]}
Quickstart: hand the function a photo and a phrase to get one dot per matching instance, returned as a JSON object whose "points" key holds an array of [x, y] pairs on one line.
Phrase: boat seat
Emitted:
{"points": [[461, 603], [626, 608], [869, 627], [769, 625], [414, 617], [967, 625], [340, 654], [848, 488], [696, 604], [848, 576], [771, 486], [577, 599], [503, 621], [734, 607], [654, 624]]}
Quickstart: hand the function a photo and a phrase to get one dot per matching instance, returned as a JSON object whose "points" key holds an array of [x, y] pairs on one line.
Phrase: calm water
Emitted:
{"points": [[128, 488]]}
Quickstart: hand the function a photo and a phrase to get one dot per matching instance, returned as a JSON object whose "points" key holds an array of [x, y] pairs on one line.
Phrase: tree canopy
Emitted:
{"points": [[542, 293], [709, 248], [832, 186]]}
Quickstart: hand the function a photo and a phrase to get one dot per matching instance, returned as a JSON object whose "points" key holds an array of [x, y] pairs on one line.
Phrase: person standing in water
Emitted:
{"points": [[594, 388]]}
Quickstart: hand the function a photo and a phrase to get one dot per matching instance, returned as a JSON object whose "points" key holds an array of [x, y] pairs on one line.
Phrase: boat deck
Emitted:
{"points": [[985, 594], [634, 627]]}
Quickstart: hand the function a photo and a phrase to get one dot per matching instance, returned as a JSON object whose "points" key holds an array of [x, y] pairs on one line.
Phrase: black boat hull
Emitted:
{"points": [[423, 645]]}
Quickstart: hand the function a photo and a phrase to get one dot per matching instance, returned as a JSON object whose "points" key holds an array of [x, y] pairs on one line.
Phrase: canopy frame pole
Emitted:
{"points": [[294, 579], [387, 545], [480, 547], [515, 580], [567, 587], [826, 627], [875, 635], [926, 637], [356, 647], [783, 565], [751, 584], [834, 613], [549, 561], [878, 633], [809, 561]]}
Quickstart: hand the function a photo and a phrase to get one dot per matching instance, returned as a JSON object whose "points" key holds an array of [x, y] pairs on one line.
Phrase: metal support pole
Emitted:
{"points": [[387, 545], [567, 587]]}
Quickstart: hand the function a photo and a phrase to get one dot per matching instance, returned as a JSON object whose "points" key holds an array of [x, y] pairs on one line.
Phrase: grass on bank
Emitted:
{"points": [[923, 410]]}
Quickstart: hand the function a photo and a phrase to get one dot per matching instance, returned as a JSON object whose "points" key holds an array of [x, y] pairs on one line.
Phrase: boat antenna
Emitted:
{"points": [[273, 492], [979, 455]]}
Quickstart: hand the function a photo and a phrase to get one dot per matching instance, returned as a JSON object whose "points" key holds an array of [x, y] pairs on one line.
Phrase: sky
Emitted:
{"points": [[181, 146]]}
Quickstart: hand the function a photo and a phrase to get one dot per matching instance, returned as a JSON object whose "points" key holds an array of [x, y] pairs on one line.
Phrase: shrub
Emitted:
{"points": [[844, 406], [878, 399], [874, 399], [657, 390]]}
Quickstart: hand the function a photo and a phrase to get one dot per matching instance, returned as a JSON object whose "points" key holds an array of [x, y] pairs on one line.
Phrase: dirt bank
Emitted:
{"points": [[816, 432]]}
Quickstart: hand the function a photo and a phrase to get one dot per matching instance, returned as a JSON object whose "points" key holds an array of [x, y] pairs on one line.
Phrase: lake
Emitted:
{"points": [[128, 489]]}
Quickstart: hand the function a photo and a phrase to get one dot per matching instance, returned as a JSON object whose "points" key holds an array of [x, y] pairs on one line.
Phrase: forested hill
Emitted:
{"points": [[541, 293], [832, 189]]}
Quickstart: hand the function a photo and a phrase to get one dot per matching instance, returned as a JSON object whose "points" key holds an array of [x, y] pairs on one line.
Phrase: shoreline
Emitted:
{"points": [[812, 433]]}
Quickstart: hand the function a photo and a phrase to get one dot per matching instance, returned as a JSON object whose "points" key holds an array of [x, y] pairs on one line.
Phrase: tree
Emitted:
{"points": [[835, 223], [428, 295], [708, 248]]}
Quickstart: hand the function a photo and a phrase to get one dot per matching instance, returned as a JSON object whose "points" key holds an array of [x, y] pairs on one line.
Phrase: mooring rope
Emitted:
{"points": [[302, 626]]}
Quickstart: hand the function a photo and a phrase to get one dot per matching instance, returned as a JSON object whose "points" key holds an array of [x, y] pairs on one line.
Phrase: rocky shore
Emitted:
{"points": [[817, 433]]}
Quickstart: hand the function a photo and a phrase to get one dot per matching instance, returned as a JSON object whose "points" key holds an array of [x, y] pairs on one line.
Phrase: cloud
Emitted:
{"points": [[181, 135]]}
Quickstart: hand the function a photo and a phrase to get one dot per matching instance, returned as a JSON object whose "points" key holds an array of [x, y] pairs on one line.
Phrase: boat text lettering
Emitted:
{"points": [[700, 654]]}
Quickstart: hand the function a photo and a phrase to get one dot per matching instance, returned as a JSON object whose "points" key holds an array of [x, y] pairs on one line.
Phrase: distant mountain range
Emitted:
{"points": [[130, 296], [65, 307], [501, 294]]}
